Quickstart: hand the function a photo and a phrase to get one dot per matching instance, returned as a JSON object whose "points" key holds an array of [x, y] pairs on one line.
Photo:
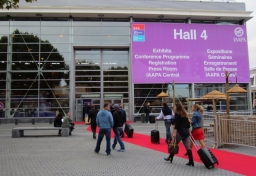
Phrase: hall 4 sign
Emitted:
{"points": [[189, 35]]}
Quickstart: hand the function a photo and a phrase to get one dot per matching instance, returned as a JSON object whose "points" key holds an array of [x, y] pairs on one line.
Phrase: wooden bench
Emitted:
{"points": [[19, 131]]}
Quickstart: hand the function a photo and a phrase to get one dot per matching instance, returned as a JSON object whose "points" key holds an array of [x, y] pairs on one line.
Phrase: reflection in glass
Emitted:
{"points": [[35, 30], [114, 78], [4, 30], [55, 30], [87, 39], [88, 78], [55, 47], [87, 30], [116, 90], [87, 73], [57, 38], [88, 84]]}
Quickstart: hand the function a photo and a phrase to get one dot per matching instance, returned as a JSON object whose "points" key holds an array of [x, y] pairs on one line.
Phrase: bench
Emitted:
{"points": [[19, 131]]}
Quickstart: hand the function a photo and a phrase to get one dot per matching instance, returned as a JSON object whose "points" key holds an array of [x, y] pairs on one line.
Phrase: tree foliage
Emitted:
{"points": [[9, 4]]}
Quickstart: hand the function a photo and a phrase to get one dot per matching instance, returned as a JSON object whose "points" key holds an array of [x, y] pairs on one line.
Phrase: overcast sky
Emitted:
{"points": [[251, 34]]}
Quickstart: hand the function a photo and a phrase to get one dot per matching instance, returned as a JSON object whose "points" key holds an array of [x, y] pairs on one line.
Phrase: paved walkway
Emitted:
{"points": [[53, 155]]}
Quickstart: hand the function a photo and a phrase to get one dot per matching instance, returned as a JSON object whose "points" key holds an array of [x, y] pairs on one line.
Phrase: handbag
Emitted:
{"points": [[173, 148]]}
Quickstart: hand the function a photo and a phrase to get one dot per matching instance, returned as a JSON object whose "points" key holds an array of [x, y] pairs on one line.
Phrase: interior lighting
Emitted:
{"points": [[61, 35]]}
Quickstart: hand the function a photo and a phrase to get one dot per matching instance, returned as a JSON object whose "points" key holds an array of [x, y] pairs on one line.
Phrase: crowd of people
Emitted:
{"points": [[114, 117]]}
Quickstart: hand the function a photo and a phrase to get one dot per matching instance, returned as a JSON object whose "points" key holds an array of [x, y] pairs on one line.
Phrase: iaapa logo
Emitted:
{"points": [[239, 32]]}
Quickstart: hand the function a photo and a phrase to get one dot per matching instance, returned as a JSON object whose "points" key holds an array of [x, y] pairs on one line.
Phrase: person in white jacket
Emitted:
{"points": [[167, 114]]}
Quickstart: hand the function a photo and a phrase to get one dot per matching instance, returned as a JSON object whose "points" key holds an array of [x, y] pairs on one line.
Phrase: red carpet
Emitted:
{"points": [[234, 162]]}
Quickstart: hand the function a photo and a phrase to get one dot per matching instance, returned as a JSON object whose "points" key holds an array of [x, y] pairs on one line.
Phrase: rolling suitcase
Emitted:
{"points": [[155, 135], [128, 130], [205, 155]]}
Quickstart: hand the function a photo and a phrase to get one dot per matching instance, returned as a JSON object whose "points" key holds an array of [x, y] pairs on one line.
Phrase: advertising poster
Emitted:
{"points": [[189, 53]]}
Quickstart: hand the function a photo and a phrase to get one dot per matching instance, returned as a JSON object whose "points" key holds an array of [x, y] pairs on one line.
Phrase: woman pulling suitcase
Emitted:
{"points": [[181, 132]]}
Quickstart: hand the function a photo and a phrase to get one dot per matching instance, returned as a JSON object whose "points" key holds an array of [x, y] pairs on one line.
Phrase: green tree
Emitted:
{"points": [[8, 4]]}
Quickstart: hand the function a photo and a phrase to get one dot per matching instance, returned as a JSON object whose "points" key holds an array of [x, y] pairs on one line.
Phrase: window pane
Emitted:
{"points": [[4, 39], [58, 38], [87, 30], [63, 30], [110, 39], [115, 30], [29, 65], [27, 47], [26, 30], [107, 73], [4, 30], [55, 47], [87, 39], [18, 37]]}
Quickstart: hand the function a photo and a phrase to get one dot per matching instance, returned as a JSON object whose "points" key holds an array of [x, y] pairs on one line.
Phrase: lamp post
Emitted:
{"points": [[227, 95], [235, 89]]}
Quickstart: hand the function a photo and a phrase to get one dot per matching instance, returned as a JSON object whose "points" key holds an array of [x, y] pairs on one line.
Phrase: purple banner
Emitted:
{"points": [[189, 53]]}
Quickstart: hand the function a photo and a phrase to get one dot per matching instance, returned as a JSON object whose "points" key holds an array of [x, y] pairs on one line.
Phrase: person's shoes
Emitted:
{"points": [[190, 163], [69, 133], [120, 150], [168, 159], [94, 137], [113, 147], [108, 153], [96, 151], [186, 154]]}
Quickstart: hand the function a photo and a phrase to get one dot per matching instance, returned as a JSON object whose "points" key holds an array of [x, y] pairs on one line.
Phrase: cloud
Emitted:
{"points": [[251, 35]]}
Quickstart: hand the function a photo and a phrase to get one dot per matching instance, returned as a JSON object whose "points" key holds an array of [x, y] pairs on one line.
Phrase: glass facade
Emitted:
{"points": [[38, 55]]}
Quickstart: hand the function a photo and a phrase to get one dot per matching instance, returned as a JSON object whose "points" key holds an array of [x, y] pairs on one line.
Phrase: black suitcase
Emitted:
{"points": [[152, 119], [128, 130], [205, 155], [155, 135]]}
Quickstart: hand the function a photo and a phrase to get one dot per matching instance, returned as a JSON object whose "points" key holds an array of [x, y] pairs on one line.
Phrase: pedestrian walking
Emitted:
{"points": [[167, 114], [147, 111], [118, 117], [92, 119], [124, 113], [105, 122], [181, 132]]}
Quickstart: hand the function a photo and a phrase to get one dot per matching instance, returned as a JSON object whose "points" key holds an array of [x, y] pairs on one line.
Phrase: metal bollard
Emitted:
{"points": [[16, 121], [143, 116]]}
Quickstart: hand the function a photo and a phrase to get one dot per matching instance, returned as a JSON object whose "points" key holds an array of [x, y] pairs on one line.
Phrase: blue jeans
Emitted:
{"points": [[147, 117], [118, 139], [102, 132], [167, 124]]}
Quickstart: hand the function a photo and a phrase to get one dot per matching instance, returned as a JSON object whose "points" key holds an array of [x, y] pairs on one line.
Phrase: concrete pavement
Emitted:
{"points": [[53, 155]]}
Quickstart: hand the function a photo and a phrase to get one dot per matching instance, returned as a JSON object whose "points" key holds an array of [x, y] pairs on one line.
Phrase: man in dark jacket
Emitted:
{"points": [[124, 116], [147, 110], [92, 117], [118, 128]]}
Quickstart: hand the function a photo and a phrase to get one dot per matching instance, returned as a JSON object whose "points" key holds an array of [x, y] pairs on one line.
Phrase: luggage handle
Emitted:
{"points": [[156, 124], [194, 142]]}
